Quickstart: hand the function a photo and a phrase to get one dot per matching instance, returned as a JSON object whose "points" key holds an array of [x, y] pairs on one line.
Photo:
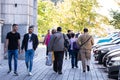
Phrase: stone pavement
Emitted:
{"points": [[43, 72]]}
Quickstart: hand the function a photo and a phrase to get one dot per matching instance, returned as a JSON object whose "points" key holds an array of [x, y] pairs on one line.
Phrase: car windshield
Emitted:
{"points": [[112, 35]]}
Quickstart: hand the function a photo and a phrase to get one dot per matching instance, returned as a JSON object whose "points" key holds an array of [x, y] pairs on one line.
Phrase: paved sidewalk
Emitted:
{"points": [[43, 72]]}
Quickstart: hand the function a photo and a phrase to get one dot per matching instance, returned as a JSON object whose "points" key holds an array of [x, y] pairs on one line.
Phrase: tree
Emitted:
{"points": [[77, 14], [70, 14], [46, 10], [117, 1], [116, 19]]}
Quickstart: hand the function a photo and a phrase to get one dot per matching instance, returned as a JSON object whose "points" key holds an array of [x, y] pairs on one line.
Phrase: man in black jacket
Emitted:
{"points": [[29, 43]]}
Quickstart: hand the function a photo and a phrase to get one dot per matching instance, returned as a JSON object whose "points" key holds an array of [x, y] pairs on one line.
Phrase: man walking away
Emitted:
{"points": [[86, 42], [57, 45], [67, 50], [29, 43], [12, 45]]}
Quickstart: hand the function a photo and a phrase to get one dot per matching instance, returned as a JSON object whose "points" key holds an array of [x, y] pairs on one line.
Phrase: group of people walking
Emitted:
{"points": [[12, 46], [78, 45], [57, 42]]}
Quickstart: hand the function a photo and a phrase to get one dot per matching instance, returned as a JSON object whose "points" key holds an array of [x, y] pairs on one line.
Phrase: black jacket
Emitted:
{"points": [[34, 38]]}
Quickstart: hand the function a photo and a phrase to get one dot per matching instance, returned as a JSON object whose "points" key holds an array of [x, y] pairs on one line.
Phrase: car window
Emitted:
{"points": [[112, 35], [115, 40]]}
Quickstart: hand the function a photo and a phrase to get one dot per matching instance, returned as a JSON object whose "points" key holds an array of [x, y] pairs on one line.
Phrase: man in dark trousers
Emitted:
{"points": [[13, 46], [57, 45], [29, 43], [68, 49]]}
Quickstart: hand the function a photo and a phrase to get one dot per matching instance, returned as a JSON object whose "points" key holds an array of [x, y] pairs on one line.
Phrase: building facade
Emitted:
{"points": [[21, 12]]}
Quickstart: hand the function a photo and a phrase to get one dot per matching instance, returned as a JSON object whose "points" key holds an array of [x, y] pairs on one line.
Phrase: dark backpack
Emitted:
{"points": [[75, 46], [66, 42]]}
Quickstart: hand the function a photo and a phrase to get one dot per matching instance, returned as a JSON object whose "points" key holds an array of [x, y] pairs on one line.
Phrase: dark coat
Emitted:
{"points": [[34, 38]]}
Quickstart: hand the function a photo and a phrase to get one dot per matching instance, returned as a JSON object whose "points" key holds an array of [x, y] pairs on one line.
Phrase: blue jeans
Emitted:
{"points": [[29, 54], [12, 53], [74, 55]]}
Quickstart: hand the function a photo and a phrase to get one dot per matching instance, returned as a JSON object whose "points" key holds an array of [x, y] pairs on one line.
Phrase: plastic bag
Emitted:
{"points": [[49, 59]]}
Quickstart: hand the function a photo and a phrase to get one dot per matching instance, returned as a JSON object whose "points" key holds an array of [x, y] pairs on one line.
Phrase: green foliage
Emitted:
{"points": [[45, 16], [70, 14], [116, 19]]}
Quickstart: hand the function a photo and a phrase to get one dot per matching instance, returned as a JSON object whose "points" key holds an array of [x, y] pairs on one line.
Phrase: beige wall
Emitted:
{"points": [[24, 14], [1, 44]]}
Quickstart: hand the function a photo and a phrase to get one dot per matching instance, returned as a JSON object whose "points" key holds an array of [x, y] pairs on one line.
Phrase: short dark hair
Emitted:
{"points": [[48, 30], [72, 35], [59, 29], [53, 31], [68, 31], [32, 26], [14, 25], [85, 30]]}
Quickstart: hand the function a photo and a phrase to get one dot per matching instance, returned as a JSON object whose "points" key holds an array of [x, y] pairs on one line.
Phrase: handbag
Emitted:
{"points": [[49, 59], [66, 42]]}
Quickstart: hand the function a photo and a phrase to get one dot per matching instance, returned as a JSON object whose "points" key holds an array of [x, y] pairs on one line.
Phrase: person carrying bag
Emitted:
{"points": [[49, 59], [86, 42]]}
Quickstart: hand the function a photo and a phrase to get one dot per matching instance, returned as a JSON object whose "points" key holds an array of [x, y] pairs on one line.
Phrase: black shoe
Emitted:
{"points": [[72, 67], [55, 70], [84, 71], [16, 74], [8, 71], [66, 58], [76, 66], [59, 72], [88, 68]]}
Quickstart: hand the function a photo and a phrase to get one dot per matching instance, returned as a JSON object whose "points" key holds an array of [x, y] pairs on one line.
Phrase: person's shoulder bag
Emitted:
{"points": [[85, 41], [79, 55], [66, 42]]}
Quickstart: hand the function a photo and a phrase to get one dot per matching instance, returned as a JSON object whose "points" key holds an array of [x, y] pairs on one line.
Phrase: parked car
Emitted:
{"points": [[107, 39], [119, 75], [95, 49], [114, 66], [109, 55], [114, 41], [104, 50]]}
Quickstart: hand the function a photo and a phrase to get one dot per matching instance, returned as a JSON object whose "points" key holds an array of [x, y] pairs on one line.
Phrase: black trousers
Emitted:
{"points": [[57, 65]]}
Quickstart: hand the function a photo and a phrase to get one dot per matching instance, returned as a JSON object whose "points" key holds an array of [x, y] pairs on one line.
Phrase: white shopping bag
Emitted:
{"points": [[49, 59]]}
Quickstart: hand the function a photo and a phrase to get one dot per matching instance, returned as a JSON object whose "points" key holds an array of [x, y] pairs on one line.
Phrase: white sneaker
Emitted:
{"points": [[30, 74]]}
